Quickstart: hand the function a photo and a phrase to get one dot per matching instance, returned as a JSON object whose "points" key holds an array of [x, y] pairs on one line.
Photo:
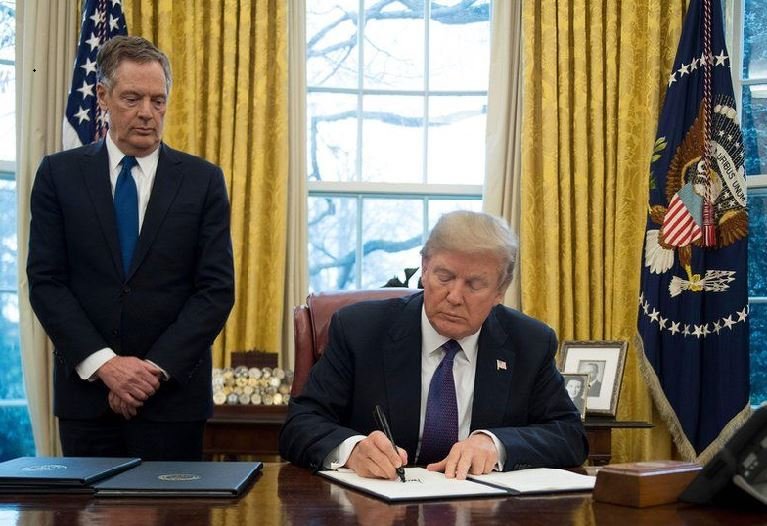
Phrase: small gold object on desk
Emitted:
{"points": [[643, 484]]}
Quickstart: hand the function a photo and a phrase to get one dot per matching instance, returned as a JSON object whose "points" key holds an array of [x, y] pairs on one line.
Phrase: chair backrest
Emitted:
{"points": [[311, 321]]}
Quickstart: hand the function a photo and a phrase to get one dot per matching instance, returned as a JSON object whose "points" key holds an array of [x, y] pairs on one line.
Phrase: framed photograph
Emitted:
{"points": [[602, 361], [576, 386]]}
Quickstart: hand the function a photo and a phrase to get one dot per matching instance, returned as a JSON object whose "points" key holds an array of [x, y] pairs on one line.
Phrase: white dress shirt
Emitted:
{"points": [[464, 367], [143, 174]]}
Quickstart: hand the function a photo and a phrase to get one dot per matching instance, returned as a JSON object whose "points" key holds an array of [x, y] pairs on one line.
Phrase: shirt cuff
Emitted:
{"points": [[498, 447], [88, 367], [165, 374], [337, 457]]}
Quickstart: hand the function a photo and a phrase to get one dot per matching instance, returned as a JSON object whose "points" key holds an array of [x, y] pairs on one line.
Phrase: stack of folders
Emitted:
{"points": [[124, 477]]}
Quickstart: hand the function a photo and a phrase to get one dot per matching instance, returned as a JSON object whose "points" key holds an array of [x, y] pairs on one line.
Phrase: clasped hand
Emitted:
{"points": [[131, 381], [374, 457]]}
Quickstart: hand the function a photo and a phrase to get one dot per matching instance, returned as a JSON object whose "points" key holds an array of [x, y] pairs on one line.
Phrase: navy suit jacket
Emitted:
{"points": [[167, 307], [374, 357]]}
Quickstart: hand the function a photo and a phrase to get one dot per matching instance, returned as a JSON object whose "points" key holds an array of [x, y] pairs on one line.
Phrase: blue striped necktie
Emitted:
{"points": [[440, 428], [126, 211]]}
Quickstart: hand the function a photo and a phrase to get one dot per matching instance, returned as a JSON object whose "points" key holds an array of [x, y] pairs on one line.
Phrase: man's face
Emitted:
{"points": [[459, 290], [136, 106], [592, 370], [573, 387]]}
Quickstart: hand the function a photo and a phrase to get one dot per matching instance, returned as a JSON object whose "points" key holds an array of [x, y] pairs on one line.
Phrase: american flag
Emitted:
{"points": [[83, 121]]}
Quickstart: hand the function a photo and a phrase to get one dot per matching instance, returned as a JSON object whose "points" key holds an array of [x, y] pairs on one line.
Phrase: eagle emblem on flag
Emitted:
{"points": [[700, 198]]}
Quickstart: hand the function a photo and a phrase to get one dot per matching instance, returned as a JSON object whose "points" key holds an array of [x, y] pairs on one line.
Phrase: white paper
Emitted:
{"points": [[420, 484], [541, 480]]}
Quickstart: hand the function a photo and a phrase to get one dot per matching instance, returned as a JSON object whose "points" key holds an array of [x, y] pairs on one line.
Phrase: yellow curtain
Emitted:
{"points": [[228, 104], [595, 73]]}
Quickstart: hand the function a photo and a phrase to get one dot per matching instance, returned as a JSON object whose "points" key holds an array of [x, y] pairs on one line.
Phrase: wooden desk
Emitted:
{"points": [[285, 494], [236, 430], [255, 430], [599, 434]]}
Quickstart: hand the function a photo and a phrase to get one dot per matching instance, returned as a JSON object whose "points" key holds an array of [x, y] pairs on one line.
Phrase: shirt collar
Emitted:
{"points": [[116, 156], [432, 340]]}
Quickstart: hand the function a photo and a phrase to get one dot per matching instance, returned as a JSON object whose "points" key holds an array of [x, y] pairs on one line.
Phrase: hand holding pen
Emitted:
{"points": [[383, 424]]}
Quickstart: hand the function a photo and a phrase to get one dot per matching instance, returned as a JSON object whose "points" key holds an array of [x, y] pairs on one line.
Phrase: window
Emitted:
{"points": [[15, 430], [749, 68], [396, 105]]}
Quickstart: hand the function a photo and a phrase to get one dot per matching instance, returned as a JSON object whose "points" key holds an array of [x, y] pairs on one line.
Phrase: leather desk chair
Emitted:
{"points": [[311, 321]]}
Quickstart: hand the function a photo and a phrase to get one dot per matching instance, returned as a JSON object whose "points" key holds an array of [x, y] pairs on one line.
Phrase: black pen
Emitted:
{"points": [[384, 425]]}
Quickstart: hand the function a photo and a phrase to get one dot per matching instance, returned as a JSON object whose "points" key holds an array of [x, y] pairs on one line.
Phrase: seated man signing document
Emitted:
{"points": [[467, 385]]}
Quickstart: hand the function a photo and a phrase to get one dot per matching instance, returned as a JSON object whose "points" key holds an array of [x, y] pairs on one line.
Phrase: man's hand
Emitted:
{"points": [[120, 407], [475, 455], [374, 457], [131, 379]]}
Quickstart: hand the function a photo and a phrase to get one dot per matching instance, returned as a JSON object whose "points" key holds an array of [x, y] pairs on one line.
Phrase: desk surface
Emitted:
{"points": [[284, 494]]}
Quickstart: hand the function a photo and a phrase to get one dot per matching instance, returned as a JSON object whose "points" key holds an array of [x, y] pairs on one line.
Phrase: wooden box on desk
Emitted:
{"points": [[642, 484]]}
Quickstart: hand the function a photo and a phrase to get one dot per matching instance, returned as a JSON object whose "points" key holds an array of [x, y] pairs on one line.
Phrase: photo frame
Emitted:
{"points": [[576, 385], [603, 362]]}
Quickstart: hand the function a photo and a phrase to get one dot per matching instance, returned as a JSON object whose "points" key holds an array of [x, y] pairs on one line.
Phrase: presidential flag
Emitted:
{"points": [[83, 120], [693, 305]]}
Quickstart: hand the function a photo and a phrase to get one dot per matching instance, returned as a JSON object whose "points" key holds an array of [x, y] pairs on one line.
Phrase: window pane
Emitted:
{"points": [[754, 126], [757, 242], [331, 43], [15, 432], [459, 45], [457, 140], [11, 379], [332, 243], [392, 139], [7, 112], [437, 207], [331, 135], [392, 238], [8, 235], [394, 45], [755, 39], [757, 319]]}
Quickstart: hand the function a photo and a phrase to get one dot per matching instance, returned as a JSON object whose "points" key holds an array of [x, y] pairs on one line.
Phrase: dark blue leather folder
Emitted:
{"points": [[180, 479], [59, 472]]}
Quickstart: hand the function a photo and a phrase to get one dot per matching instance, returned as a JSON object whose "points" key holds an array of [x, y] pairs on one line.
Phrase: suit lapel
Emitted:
{"points": [[95, 173], [402, 374], [166, 184], [492, 380]]}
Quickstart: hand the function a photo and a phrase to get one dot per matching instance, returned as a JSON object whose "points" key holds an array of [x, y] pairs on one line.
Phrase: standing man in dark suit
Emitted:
{"points": [[468, 385], [130, 272]]}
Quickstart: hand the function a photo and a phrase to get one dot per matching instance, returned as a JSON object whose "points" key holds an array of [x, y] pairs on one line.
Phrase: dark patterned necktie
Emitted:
{"points": [[126, 211], [440, 429]]}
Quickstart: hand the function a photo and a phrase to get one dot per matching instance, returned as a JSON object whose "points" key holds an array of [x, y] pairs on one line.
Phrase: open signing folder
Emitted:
{"points": [[421, 484]]}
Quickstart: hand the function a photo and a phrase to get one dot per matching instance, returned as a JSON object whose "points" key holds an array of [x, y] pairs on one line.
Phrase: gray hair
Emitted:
{"points": [[475, 233], [133, 48]]}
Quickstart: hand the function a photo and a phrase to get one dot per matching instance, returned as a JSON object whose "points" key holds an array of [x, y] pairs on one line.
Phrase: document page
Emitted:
{"points": [[541, 480], [419, 484]]}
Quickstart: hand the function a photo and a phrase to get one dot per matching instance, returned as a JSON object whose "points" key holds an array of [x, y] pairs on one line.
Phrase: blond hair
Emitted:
{"points": [[469, 232]]}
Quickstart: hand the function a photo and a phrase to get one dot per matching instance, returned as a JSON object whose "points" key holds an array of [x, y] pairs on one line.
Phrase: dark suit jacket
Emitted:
{"points": [[172, 303], [374, 357]]}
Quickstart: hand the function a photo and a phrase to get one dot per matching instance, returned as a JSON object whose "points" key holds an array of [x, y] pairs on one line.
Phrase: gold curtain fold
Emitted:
{"points": [[229, 104], [595, 72]]}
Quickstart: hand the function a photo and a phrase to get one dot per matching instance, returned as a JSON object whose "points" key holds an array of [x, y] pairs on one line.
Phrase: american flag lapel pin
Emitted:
{"points": [[500, 365]]}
